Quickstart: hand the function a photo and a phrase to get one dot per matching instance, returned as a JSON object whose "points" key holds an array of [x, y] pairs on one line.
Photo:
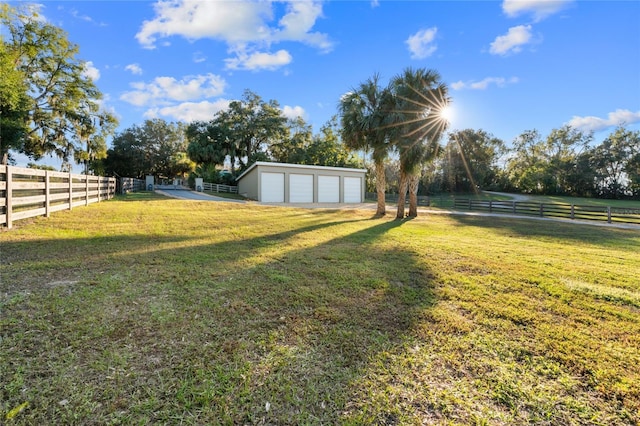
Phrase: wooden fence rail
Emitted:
{"points": [[26, 193], [423, 200], [216, 187], [125, 185], [567, 211]]}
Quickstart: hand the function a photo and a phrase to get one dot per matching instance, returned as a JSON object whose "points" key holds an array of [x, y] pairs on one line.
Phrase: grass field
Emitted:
{"points": [[149, 310]]}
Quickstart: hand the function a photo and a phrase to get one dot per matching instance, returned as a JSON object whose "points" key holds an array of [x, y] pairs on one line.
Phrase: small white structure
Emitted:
{"points": [[298, 183]]}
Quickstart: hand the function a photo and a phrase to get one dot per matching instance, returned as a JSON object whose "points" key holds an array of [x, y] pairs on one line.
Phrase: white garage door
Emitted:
{"points": [[272, 187], [328, 189], [352, 190], [300, 188]]}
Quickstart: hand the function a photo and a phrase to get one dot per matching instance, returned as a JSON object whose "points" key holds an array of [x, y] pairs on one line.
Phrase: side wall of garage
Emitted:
{"points": [[249, 186]]}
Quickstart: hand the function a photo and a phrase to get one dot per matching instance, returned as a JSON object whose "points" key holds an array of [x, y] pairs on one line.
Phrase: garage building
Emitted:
{"points": [[298, 183]]}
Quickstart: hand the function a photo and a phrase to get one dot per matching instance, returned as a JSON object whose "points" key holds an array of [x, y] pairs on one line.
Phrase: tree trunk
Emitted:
{"points": [[414, 181], [381, 184], [402, 194]]}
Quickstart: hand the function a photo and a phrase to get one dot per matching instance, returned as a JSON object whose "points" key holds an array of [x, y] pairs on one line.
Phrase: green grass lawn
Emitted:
{"points": [[149, 310]]}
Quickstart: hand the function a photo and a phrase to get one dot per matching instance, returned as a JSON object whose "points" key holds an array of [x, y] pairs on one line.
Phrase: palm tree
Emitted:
{"points": [[418, 124], [364, 112]]}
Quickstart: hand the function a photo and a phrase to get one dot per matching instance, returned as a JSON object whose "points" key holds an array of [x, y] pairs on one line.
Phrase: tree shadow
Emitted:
{"points": [[217, 337]]}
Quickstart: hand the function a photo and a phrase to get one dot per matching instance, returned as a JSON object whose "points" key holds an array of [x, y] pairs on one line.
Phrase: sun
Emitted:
{"points": [[446, 113]]}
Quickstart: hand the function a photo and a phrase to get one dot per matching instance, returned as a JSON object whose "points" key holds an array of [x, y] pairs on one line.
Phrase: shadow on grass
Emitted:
{"points": [[27, 263], [200, 335], [305, 328]]}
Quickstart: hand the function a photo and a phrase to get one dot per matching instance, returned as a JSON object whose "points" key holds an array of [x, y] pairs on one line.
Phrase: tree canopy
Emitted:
{"points": [[156, 148], [252, 130], [469, 161], [48, 103], [418, 123], [365, 118]]}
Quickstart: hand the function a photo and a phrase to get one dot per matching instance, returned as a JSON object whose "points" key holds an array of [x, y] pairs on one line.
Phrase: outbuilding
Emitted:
{"points": [[298, 183]]}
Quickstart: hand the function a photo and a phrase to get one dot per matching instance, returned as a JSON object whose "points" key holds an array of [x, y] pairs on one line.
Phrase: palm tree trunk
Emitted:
{"points": [[381, 183], [414, 181], [402, 194]]}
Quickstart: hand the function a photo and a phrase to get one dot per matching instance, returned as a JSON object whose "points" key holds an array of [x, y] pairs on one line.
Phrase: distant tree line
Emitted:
{"points": [[566, 162]]}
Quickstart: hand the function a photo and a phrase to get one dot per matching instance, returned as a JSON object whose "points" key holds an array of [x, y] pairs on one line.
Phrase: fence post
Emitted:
{"points": [[514, 207], [573, 214], [541, 210], [70, 191], [9, 195], [490, 206], [469, 203], [86, 190], [609, 214], [47, 194]]}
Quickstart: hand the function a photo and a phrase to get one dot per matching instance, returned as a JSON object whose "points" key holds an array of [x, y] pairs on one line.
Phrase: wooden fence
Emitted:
{"points": [[125, 185], [423, 200], [567, 211], [26, 193], [216, 187]]}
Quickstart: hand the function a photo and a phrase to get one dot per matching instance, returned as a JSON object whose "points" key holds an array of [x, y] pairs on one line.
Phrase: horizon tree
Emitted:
{"points": [[156, 148], [48, 103], [251, 124], [364, 113], [470, 160], [420, 100]]}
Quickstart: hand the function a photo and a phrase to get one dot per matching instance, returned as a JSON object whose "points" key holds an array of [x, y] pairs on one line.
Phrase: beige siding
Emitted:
{"points": [[249, 186], [249, 182]]}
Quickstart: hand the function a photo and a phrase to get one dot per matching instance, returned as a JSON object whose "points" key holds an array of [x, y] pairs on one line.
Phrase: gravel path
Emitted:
{"points": [[193, 195]]}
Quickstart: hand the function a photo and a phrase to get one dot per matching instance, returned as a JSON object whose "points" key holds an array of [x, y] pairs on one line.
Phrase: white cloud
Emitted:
{"points": [[540, 9], [233, 21], [165, 90], [294, 112], [90, 71], [513, 41], [483, 84], [259, 60], [244, 25], [615, 118], [199, 57], [421, 44], [77, 15], [134, 68], [297, 24], [189, 111]]}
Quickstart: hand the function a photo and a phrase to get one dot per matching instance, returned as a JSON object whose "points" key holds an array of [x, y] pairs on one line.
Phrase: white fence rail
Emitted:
{"points": [[125, 185], [216, 187], [26, 193]]}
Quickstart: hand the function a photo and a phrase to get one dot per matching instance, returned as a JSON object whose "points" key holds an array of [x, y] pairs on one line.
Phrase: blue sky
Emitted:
{"points": [[511, 66]]}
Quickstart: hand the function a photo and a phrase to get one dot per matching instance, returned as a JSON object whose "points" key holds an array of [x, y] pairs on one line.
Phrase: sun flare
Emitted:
{"points": [[446, 113]]}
